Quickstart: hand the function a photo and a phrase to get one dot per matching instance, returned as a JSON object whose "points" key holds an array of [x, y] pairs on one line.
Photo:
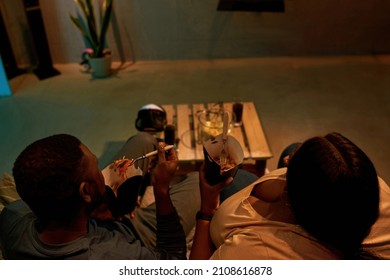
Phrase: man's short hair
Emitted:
{"points": [[48, 174]]}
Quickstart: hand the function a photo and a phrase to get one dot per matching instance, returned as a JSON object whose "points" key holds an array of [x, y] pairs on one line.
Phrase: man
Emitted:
{"points": [[59, 180]]}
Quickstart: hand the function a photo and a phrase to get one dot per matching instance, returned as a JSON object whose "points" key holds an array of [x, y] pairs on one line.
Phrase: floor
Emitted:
{"points": [[296, 98]]}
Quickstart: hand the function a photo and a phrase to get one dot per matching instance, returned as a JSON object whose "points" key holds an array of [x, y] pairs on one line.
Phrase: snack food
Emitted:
{"points": [[230, 163], [216, 173], [120, 166]]}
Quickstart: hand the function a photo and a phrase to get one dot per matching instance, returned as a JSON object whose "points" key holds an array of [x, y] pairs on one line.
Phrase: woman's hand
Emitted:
{"points": [[203, 247], [210, 193]]}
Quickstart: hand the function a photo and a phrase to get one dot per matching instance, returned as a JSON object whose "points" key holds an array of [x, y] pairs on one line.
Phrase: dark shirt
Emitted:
{"points": [[104, 240]]}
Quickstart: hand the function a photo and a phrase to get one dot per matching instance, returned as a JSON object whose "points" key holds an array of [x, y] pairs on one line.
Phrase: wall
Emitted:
{"points": [[17, 30], [194, 29]]}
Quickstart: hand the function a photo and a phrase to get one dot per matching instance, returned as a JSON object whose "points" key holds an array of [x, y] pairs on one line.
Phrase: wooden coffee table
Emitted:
{"points": [[250, 135]]}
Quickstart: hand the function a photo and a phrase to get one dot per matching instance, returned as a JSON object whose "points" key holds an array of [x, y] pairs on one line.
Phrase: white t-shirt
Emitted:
{"points": [[378, 241], [239, 232]]}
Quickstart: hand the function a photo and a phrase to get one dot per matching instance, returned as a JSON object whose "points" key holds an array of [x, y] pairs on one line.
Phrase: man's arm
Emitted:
{"points": [[170, 233], [162, 175]]}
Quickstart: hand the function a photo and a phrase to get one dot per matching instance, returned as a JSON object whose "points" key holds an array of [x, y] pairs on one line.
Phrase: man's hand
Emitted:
{"points": [[166, 166], [162, 174], [103, 212]]}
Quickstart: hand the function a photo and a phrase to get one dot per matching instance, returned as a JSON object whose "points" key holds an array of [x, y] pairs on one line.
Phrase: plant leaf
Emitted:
{"points": [[92, 22], [88, 25], [89, 19], [107, 11], [81, 25]]}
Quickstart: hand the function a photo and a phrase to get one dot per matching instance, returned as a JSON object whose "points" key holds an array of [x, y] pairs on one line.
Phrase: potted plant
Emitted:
{"points": [[98, 58]]}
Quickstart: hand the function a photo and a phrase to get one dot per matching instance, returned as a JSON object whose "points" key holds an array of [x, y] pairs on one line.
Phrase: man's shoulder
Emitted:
{"points": [[16, 210], [15, 218]]}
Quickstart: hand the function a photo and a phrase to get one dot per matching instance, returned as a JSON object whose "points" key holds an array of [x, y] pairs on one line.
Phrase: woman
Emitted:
{"points": [[321, 207]]}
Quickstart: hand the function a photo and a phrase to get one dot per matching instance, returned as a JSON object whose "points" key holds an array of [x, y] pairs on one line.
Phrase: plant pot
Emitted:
{"points": [[100, 67]]}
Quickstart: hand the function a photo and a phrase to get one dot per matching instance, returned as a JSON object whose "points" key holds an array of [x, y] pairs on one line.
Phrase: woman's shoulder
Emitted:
{"points": [[271, 186]]}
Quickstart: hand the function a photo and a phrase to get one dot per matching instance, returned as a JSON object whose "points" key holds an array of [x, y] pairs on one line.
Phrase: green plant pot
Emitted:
{"points": [[100, 67]]}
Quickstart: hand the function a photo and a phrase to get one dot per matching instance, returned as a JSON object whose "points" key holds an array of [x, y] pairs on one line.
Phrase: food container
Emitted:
{"points": [[123, 181], [212, 150]]}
